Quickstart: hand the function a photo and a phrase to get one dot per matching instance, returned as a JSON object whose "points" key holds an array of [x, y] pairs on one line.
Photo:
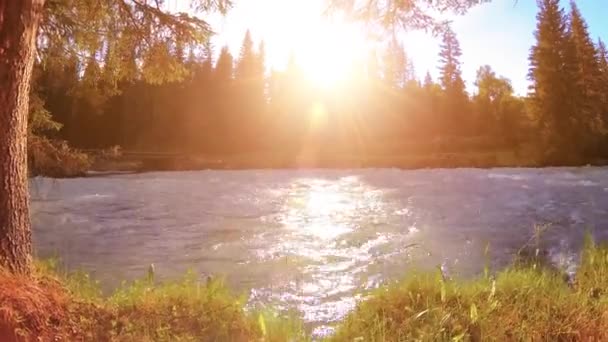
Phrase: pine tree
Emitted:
{"points": [[226, 115], [260, 72], [428, 80], [455, 97], [395, 63], [451, 77], [246, 64], [550, 91], [224, 67], [260, 59], [410, 74], [586, 75], [602, 56]]}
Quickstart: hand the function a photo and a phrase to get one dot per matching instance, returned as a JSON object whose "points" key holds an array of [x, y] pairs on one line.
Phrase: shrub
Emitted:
{"points": [[54, 158]]}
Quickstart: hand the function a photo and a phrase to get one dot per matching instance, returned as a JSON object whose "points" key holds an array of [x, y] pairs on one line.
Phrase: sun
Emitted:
{"points": [[331, 53], [326, 48]]}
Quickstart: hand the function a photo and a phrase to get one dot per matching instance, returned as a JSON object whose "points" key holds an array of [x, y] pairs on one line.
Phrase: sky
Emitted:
{"points": [[499, 33]]}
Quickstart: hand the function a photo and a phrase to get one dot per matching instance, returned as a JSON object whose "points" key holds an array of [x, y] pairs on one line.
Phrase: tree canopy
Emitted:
{"points": [[403, 14], [122, 33]]}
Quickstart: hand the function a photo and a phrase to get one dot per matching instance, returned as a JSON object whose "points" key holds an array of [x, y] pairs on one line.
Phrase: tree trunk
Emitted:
{"points": [[18, 27]]}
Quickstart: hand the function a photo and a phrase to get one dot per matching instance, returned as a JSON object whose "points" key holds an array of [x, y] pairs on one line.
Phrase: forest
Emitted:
{"points": [[235, 106]]}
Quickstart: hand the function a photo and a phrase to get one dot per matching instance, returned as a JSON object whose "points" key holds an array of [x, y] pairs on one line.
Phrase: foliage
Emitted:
{"points": [[85, 54], [398, 68], [504, 113], [602, 55], [519, 303], [566, 94], [400, 14], [89, 30], [54, 158], [40, 120], [455, 102], [586, 75]]}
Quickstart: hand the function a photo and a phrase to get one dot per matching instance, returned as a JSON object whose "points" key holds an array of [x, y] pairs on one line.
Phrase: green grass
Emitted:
{"points": [[526, 302], [181, 310]]}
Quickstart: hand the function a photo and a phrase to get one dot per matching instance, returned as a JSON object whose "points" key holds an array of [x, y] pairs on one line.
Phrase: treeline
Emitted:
{"points": [[233, 106]]}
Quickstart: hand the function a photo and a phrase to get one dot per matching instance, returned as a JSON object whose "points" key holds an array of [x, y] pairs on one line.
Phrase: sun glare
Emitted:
{"points": [[326, 48], [331, 52]]}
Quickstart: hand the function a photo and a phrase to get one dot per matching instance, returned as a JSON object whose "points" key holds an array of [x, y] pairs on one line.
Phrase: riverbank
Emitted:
{"points": [[279, 161], [527, 301], [450, 154], [271, 161], [56, 159]]}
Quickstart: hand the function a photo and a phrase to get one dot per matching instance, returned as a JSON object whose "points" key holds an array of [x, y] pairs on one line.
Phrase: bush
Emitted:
{"points": [[54, 158]]}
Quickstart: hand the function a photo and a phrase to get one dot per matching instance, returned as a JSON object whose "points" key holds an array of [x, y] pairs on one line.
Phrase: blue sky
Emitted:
{"points": [[499, 33]]}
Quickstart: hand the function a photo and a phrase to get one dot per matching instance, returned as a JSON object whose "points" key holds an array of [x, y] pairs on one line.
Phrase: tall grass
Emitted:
{"points": [[525, 302], [185, 309]]}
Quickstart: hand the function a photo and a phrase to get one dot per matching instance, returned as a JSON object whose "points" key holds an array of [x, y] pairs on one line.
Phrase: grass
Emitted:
{"points": [[526, 302], [70, 307]]}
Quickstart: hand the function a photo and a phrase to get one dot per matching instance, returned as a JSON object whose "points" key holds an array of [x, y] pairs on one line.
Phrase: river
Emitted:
{"points": [[313, 240]]}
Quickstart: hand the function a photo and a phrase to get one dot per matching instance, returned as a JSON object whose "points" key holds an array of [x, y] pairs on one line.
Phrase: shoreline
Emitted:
{"points": [[528, 300], [276, 161], [137, 169]]}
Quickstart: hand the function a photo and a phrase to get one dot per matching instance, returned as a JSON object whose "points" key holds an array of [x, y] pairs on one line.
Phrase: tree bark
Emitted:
{"points": [[18, 27]]}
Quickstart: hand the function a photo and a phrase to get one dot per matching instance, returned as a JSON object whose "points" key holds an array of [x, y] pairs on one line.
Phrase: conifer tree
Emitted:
{"points": [[225, 106], [260, 73], [455, 96], [428, 80], [260, 59], [224, 67], [395, 63], [246, 64], [586, 76], [451, 77], [602, 56], [549, 92]]}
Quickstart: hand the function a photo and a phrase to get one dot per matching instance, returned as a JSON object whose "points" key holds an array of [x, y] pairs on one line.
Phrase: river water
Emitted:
{"points": [[313, 240]]}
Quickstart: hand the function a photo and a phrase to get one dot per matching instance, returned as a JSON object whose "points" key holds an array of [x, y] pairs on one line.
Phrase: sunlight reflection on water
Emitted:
{"points": [[322, 219]]}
